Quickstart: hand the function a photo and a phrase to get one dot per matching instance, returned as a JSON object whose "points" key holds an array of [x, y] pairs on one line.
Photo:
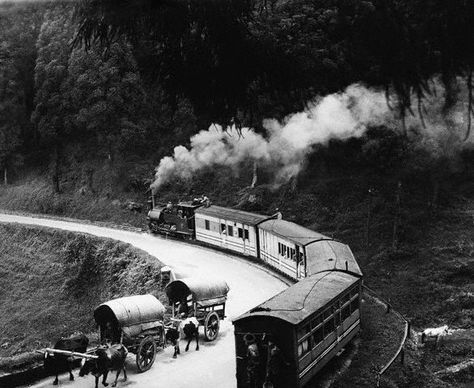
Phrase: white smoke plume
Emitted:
{"points": [[286, 144]]}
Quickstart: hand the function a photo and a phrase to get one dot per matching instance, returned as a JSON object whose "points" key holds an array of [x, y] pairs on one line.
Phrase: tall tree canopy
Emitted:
{"points": [[53, 45], [18, 32], [233, 57]]}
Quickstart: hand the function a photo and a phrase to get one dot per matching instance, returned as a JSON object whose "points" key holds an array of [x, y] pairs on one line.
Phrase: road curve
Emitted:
{"points": [[214, 363]]}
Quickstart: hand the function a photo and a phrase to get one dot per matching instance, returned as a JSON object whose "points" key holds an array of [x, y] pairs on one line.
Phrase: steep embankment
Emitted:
{"points": [[35, 195], [51, 280]]}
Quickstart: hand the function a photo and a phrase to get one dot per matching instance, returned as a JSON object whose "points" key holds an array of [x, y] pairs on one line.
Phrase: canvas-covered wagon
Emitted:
{"points": [[135, 321], [203, 298]]}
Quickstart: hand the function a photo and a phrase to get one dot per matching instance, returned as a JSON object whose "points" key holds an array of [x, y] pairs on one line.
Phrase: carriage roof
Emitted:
{"points": [[206, 291], [304, 298], [291, 231], [232, 214], [330, 255], [132, 313]]}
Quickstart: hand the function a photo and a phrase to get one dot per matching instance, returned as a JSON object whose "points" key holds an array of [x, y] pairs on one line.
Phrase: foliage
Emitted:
{"points": [[105, 99], [289, 51], [50, 75], [18, 33]]}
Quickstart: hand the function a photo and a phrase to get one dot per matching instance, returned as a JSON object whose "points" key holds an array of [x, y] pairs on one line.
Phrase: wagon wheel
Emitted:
{"points": [[146, 354], [211, 326]]}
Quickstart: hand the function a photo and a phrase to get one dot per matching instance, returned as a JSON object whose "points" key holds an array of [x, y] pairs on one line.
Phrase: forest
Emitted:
{"points": [[99, 81]]}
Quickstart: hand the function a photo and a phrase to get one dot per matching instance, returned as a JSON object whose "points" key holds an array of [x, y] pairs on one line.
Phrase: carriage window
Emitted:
{"points": [[327, 313], [316, 321], [318, 336], [354, 291], [281, 249], [346, 297], [337, 319], [207, 225], [355, 305], [303, 347], [246, 232], [230, 230], [288, 252], [302, 331], [328, 327], [223, 228], [346, 311], [241, 233], [292, 254]]}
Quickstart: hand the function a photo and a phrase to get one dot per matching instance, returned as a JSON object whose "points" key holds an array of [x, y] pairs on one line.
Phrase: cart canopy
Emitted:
{"points": [[204, 291], [132, 314]]}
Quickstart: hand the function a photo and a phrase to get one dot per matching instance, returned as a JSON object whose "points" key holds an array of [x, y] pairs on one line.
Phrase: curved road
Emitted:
{"points": [[214, 364]]}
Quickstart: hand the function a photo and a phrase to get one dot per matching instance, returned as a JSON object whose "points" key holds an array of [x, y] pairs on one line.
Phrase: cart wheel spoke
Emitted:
{"points": [[146, 354], [211, 326]]}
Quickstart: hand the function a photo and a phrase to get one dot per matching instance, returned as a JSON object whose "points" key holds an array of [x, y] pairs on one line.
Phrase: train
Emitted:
{"points": [[286, 340]]}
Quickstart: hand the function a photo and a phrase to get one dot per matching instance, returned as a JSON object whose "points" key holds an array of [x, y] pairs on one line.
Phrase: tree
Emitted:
{"points": [[231, 57], [105, 99], [50, 74], [18, 32]]}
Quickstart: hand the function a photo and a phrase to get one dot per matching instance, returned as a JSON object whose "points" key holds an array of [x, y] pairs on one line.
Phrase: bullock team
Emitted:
{"points": [[110, 356]]}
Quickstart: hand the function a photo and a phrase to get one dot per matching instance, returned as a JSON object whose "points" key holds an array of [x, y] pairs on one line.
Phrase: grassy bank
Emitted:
{"points": [[50, 282], [37, 196]]}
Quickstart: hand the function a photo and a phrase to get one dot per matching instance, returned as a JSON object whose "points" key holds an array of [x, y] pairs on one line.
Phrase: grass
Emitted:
{"points": [[50, 282], [36, 196]]}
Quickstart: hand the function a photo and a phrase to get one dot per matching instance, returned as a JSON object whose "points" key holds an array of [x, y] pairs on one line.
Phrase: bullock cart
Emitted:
{"points": [[202, 298], [136, 322]]}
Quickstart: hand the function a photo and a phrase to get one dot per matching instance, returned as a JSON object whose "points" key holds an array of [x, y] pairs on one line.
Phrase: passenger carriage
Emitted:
{"points": [[231, 229], [136, 322], [300, 252], [203, 298], [310, 322]]}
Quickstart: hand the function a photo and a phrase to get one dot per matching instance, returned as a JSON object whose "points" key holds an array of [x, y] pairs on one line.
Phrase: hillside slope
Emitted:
{"points": [[50, 282]]}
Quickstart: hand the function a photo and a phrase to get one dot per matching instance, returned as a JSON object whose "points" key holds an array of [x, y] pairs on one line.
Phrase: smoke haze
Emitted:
{"points": [[287, 144]]}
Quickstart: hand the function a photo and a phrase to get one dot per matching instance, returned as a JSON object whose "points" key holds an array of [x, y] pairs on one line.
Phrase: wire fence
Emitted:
{"points": [[401, 347]]}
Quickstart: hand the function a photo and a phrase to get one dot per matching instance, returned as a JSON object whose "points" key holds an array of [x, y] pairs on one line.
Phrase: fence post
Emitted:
{"points": [[402, 356]]}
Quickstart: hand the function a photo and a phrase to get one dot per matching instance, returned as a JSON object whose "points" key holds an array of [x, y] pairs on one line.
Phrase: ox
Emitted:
{"points": [[110, 358], [56, 363], [434, 332], [190, 329]]}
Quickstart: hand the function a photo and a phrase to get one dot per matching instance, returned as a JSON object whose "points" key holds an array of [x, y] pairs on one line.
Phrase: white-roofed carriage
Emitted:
{"points": [[203, 298], [135, 321]]}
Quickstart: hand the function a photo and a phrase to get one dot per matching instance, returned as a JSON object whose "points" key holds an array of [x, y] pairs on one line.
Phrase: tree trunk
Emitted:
{"points": [[5, 176]]}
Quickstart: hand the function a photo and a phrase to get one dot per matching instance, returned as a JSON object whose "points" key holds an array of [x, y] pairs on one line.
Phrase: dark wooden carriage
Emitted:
{"points": [[310, 323], [135, 321], [203, 298]]}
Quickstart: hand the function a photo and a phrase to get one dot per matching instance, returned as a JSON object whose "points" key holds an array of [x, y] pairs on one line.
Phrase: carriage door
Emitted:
{"points": [[300, 263], [223, 234]]}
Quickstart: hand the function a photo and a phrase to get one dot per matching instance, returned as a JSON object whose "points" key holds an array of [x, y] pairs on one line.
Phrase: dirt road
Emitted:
{"points": [[214, 363]]}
